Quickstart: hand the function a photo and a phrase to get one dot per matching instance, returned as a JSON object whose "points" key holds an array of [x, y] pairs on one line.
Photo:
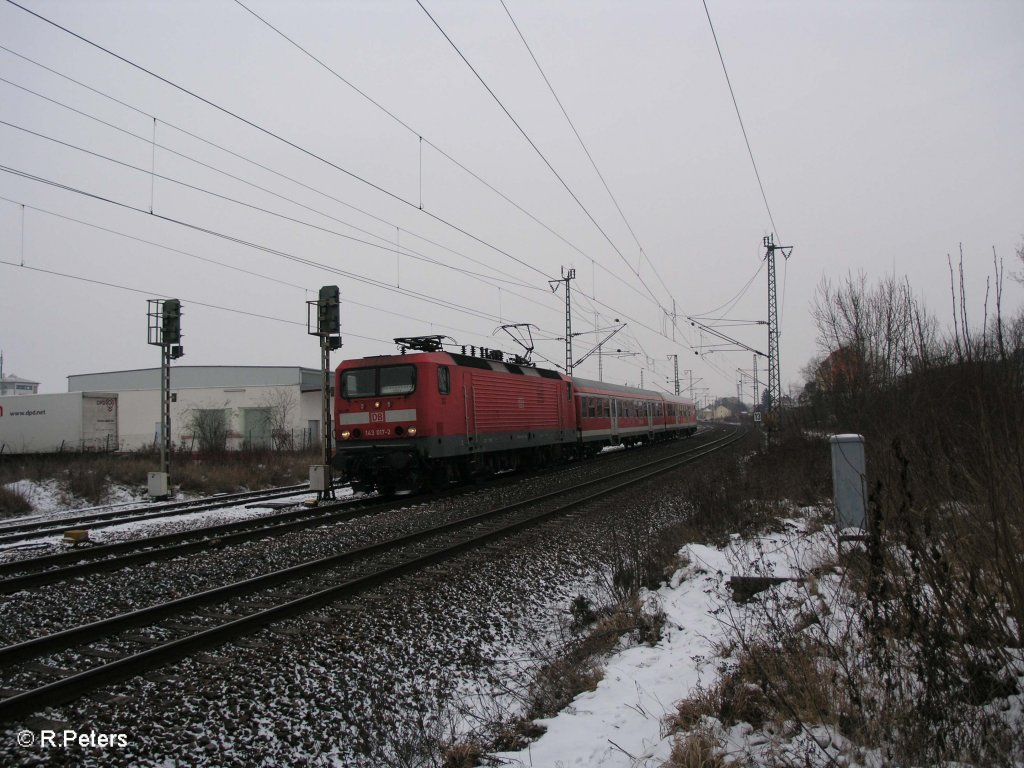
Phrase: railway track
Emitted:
{"points": [[137, 641], [49, 569], [27, 531], [28, 573]]}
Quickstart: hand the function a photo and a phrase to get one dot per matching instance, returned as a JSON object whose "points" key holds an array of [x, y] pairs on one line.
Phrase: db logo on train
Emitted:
{"points": [[376, 416]]}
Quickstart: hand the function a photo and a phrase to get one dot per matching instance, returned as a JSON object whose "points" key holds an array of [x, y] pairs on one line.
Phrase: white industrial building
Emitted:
{"points": [[261, 406]]}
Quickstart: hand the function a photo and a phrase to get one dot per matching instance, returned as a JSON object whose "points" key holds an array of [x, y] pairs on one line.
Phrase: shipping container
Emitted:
{"points": [[75, 421]]}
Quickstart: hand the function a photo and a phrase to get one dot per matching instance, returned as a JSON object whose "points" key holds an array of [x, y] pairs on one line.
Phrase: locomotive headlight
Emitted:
{"points": [[411, 431], [345, 435]]}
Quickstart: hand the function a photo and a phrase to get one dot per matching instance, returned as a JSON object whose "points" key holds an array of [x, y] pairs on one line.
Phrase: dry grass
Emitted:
{"points": [[768, 685], [698, 748], [13, 503], [91, 476]]}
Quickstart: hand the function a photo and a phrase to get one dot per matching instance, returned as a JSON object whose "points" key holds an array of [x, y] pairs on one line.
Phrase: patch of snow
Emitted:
{"points": [[619, 724]]}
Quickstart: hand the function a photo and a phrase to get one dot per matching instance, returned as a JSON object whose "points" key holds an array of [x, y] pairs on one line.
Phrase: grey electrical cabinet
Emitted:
{"points": [[849, 482]]}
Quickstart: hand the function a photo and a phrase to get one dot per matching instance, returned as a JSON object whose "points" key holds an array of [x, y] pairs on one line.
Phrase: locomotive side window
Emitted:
{"points": [[444, 382], [397, 380], [360, 382]]}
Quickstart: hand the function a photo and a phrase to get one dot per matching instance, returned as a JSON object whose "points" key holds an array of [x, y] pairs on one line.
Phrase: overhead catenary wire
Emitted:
{"points": [[222, 235], [255, 126], [421, 139], [266, 249], [382, 246], [586, 150], [115, 55], [221, 148], [232, 267], [739, 117], [388, 245], [266, 131], [540, 154]]}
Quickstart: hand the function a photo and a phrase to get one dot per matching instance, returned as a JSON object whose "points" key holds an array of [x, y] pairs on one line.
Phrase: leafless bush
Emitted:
{"points": [[943, 417], [13, 502]]}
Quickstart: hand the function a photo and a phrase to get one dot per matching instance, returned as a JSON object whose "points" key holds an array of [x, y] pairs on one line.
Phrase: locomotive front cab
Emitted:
{"points": [[381, 402], [382, 409]]}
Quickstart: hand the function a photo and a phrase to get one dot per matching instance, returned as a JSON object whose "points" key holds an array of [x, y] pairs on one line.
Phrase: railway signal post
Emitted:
{"points": [[328, 328], [164, 331]]}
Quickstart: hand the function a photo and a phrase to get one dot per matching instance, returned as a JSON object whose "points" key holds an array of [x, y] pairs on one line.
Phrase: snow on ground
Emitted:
{"points": [[619, 725], [49, 499]]}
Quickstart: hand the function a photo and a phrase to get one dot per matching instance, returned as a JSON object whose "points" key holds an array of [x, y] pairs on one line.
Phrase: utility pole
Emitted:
{"points": [[328, 328], [675, 363], [567, 277], [774, 375], [164, 330]]}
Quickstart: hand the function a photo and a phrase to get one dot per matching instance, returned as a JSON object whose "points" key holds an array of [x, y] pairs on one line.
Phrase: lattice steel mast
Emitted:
{"points": [[774, 375]]}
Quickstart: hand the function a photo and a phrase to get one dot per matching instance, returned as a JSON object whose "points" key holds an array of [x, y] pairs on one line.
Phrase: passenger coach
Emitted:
{"points": [[610, 414]]}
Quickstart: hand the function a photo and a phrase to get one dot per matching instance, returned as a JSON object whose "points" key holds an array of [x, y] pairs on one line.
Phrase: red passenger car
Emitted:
{"points": [[610, 414]]}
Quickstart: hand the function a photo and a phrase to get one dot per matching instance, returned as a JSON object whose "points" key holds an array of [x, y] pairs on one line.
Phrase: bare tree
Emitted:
{"points": [[209, 426], [280, 404]]}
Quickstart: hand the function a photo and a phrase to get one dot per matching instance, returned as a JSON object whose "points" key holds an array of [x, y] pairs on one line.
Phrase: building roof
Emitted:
{"points": [[12, 379], [199, 377]]}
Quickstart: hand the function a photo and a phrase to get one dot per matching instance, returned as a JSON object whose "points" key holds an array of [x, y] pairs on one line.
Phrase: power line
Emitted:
{"points": [[448, 156], [387, 246], [739, 117], [301, 149], [148, 293], [248, 160], [590, 157], [176, 181], [463, 167], [266, 249], [155, 244], [727, 306], [539, 153], [573, 126], [273, 135]]}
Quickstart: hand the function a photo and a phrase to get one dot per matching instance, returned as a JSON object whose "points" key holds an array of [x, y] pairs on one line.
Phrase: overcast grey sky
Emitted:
{"points": [[886, 134]]}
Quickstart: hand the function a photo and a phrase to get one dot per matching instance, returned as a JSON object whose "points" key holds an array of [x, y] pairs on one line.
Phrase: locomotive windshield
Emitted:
{"points": [[377, 382]]}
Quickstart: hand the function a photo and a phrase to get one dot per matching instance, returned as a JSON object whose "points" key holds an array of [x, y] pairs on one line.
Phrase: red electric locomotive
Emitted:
{"points": [[403, 422], [409, 421]]}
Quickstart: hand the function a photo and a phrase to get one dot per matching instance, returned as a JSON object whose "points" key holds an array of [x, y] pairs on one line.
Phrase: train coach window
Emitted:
{"points": [[360, 382], [397, 380], [444, 382]]}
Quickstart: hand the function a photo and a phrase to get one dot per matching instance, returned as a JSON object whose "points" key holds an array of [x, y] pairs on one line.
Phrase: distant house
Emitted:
{"points": [[15, 385], [840, 369], [716, 413]]}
